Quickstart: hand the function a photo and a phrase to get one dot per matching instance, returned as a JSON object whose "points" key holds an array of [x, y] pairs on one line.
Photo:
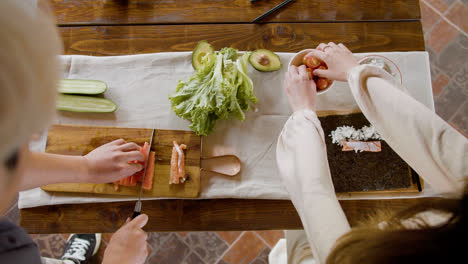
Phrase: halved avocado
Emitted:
{"points": [[265, 60], [203, 48]]}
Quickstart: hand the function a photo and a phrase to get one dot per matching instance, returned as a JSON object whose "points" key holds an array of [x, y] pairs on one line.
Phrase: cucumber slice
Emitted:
{"points": [[78, 103], [70, 86], [203, 48]]}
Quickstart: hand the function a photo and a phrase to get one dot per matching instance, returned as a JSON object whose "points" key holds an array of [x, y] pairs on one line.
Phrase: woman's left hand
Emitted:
{"points": [[110, 162], [301, 91]]}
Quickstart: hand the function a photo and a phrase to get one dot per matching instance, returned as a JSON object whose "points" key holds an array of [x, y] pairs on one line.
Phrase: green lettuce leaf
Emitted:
{"points": [[220, 89]]}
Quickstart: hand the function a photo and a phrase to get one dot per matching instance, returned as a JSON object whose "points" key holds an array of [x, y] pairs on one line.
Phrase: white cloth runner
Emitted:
{"points": [[140, 85]]}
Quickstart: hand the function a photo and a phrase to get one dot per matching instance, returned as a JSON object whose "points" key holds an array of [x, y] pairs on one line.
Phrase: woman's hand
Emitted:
{"points": [[128, 244], [300, 90], [110, 162], [339, 59]]}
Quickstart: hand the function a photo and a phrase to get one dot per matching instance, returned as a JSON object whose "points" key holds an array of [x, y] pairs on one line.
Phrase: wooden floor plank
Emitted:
{"points": [[189, 215], [108, 12], [359, 37]]}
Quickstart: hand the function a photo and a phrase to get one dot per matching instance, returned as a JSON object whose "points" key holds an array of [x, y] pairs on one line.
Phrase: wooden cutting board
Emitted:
{"points": [[80, 140]]}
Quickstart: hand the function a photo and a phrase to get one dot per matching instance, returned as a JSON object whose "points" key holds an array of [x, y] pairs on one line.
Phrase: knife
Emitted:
{"points": [[267, 13], [137, 210]]}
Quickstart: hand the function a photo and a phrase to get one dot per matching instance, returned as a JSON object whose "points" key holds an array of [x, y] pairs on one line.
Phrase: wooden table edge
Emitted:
{"points": [[191, 215]]}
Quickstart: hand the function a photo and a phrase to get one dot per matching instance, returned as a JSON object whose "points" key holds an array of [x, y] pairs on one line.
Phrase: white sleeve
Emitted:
{"points": [[303, 164], [434, 149]]}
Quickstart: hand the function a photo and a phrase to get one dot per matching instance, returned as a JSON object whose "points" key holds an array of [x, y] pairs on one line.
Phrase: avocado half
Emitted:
{"points": [[203, 48], [265, 60]]}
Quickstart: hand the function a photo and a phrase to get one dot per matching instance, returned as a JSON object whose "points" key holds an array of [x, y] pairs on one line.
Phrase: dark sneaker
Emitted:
{"points": [[81, 247]]}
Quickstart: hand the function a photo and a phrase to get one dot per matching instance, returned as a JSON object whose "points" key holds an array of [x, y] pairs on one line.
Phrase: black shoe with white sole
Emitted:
{"points": [[81, 247]]}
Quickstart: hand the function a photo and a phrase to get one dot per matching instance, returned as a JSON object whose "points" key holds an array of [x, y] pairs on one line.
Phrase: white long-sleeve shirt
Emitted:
{"points": [[434, 149]]}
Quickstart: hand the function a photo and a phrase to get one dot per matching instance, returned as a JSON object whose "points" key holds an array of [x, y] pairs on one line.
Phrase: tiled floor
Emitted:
{"points": [[445, 24]]}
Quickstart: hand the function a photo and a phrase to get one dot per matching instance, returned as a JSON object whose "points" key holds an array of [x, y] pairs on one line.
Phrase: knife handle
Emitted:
{"points": [[135, 214]]}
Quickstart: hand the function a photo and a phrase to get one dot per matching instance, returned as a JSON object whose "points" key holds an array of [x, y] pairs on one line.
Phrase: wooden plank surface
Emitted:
{"points": [[80, 140], [359, 37], [189, 215], [102, 40], [112, 12]]}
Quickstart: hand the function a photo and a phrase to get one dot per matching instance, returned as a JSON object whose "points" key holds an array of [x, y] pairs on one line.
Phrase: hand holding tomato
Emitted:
{"points": [[312, 63], [300, 90], [338, 58]]}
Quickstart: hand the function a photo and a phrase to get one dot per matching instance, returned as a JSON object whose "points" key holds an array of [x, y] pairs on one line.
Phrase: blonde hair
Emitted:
{"points": [[29, 70]]}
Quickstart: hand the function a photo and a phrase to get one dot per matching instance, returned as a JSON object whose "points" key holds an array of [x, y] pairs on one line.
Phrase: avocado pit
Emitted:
{"points": [[263, 60]]}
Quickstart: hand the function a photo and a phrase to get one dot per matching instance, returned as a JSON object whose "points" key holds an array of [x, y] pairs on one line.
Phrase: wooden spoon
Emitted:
{"points": [[227, 165]]}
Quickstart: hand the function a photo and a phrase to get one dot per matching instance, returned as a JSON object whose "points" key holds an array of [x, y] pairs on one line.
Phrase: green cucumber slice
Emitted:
{"points": [[202, 49], [86, 104], [71, 86]]}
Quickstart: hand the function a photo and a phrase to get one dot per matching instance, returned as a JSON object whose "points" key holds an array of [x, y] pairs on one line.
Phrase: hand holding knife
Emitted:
{"points": [[137, 210]]}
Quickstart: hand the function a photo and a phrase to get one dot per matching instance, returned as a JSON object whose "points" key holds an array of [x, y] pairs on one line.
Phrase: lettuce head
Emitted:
{"points": [[220, 89]]}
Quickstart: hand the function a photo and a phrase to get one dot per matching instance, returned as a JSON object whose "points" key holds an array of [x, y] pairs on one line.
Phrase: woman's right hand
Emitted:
{"points": [[301, 91], [339, 59], [128, 245]]}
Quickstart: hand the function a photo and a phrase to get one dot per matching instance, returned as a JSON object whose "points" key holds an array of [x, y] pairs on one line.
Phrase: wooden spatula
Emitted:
{"points": [[226, 165]]}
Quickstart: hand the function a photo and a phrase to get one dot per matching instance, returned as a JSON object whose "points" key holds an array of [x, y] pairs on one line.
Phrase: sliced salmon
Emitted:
{"points": [[138, 176], [174, 179], [132, 180], [177, 164], [148, 183], [371, 146], [145, 150], [181, 164]]}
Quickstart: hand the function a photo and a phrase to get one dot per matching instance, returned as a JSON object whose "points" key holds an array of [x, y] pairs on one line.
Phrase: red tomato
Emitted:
{"points": [[322, 83], [311, 62], [309, 73]]}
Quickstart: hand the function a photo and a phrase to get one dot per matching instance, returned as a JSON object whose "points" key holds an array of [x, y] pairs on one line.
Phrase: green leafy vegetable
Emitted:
{"points": [[219, 89]]}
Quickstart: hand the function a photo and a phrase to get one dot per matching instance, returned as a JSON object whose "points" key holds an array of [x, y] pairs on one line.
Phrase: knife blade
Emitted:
{"points": [[137, 210], [267, 13]]}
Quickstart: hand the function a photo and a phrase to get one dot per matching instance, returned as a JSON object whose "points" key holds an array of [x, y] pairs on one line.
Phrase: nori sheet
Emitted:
{"points": [[362, 171]]}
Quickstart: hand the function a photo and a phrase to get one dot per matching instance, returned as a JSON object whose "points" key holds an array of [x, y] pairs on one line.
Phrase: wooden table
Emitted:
{"points": [[111, 27]]}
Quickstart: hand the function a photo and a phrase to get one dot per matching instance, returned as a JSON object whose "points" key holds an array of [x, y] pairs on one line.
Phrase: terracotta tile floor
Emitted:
{"points": [[445, 25]]}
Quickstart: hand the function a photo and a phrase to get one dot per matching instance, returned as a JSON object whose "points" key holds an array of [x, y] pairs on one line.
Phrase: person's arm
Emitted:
{"points": [[302, 161], [107, 163], [434, 149]]}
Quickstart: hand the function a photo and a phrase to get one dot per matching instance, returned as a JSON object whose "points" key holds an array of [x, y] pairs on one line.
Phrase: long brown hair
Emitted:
{"points": [[386, 239]]}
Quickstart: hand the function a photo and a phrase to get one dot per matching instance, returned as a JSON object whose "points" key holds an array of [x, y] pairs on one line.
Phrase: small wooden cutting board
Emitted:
{"points": [[80, 140]]}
